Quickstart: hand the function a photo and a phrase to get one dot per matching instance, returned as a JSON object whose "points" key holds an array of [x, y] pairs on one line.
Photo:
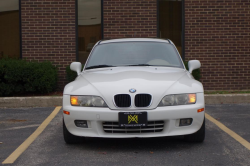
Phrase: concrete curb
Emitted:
{"points": [[227, 99], [51, 101], [18, 102]]}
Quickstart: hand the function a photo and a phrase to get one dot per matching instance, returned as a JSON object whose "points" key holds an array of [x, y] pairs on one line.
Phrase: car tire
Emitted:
{"points": [[70, 138], [199, 136]]}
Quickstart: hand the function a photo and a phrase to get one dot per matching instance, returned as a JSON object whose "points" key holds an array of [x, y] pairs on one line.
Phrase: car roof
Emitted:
{"points": [[134, 40]]}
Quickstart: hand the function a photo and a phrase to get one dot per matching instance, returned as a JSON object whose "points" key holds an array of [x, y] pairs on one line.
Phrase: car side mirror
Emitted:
{"points": [[76, 66], [193, 64]]}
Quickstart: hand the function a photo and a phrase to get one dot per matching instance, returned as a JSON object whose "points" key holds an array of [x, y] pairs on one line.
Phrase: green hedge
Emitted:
{"points": [[71, 75], [20, 76], [196, 73]]}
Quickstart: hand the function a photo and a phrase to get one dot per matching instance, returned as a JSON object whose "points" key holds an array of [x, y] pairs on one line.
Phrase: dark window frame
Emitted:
{"points": [[183, 26], [76, 26]]}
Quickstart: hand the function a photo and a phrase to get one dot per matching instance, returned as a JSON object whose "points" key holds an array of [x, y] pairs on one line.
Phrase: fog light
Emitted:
{"points": [[81, 123], [185, 122]]}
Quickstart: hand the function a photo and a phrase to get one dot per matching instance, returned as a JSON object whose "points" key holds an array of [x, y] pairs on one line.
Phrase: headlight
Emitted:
{"points": [[87, 101], [180, 99]]}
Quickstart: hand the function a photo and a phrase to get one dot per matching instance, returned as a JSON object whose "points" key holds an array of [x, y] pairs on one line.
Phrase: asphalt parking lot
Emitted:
{"points": [[219, 147]]}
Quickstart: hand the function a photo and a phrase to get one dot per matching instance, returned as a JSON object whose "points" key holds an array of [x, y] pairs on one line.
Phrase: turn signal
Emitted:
{"points": [[200, 110], [74, 100], [66, 112], [192, 98]]}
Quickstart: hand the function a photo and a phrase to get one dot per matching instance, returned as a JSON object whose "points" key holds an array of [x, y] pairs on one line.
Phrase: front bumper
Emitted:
{"points": [[169, 115]]}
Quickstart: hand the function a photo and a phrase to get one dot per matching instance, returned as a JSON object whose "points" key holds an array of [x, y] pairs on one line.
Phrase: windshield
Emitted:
{"points": [[134, 54]]}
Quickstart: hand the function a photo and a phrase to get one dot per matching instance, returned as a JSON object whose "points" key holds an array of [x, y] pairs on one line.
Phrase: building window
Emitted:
{"points": [[89, 27], [170, 21], [9, 29]]}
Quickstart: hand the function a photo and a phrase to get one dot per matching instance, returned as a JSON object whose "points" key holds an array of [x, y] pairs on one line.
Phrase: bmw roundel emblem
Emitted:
{"points": [[132, 90]]}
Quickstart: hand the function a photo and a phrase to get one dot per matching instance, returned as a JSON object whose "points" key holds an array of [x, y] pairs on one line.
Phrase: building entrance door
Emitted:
{"points": [[89, 27], [9, 29], [170, 21]]}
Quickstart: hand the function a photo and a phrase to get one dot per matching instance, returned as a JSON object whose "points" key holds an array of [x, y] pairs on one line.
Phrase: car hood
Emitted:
{"points": [[157, 81]]}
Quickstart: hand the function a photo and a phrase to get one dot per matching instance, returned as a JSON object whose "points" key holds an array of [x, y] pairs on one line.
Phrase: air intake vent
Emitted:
{"points": [[123, 100], [143, 100], [152, 127]]}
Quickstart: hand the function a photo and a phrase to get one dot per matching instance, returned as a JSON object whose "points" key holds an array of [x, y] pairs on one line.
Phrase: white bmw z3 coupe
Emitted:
{"points": [[134, 88]]}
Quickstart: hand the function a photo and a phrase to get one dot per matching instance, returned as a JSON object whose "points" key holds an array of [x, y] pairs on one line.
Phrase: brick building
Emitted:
{"points": [[216, 32]]}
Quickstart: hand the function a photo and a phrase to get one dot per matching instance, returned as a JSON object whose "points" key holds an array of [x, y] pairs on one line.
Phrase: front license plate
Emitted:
{"points": [[133, 119]]}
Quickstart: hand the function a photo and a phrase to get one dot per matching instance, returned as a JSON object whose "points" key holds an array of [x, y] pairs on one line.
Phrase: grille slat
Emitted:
{"points": [[110, 125], [142, 100], [122, 100], [134, 129], [152, 127]]}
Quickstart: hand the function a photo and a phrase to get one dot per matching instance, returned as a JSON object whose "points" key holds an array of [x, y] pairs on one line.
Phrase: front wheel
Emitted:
{"points": [[70, 138], [199, 136]]}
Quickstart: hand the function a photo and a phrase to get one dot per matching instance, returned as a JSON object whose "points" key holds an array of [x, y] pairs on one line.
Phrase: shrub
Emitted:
{"points": [[195, 73], [70, 75], [20, 76]]}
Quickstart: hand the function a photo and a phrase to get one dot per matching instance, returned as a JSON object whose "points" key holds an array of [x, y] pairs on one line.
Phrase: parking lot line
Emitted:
{"points": [[238, 138], [11, 159]]}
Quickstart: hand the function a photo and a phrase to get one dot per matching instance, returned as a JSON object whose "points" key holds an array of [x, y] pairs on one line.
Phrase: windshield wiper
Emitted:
{"points": [[98, 66], [140, 65]]}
